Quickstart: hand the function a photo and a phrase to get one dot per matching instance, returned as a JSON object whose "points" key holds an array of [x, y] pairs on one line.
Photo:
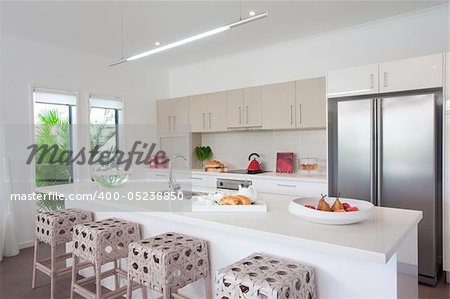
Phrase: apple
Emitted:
{"points": [[352, 209], [346, 206]]}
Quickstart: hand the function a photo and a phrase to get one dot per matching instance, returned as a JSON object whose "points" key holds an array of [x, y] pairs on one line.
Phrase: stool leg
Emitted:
{"points": [[116, 276], [36, 250], [129, 288], [98, 281], [144, 292], [53, 271], [74, 274], [167, 293], [208, 290]]}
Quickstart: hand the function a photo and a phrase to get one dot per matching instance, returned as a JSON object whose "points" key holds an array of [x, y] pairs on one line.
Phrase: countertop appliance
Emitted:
{"points": [[254, 166], [388, 149], [245, 171]]}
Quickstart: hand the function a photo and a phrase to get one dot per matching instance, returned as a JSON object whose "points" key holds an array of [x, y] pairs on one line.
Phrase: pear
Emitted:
{"points": [[323, 205], [337, 205]]}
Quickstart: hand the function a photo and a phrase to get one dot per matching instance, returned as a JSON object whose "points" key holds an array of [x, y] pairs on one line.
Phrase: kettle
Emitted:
{"points": [[254, 166]]}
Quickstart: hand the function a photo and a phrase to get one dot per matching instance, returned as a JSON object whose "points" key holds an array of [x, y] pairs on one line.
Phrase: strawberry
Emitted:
{"points": [[346, 206], [310, 206]]}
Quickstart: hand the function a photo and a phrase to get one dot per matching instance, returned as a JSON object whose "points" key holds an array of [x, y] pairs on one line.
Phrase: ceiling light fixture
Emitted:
{"points": [[193, 38], [251, 13], [157, 43]]}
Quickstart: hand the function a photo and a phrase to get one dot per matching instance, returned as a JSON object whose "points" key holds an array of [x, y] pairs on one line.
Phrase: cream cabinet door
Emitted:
{"points": [[278, 106], [235, 107], [252, 107], [198, 107], [164, 117], [310, 96], [217, 112], [414, 73], [353, 81], [180, 115]]}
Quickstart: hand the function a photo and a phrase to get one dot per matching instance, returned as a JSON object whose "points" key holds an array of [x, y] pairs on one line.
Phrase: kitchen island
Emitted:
{"points": [[373, 259]]}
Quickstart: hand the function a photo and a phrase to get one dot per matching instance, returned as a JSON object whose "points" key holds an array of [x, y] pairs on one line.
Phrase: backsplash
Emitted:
{"points": [[233, 148]]}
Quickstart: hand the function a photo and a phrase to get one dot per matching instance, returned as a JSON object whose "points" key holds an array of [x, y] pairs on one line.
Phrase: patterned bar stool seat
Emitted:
{"points": [[265, 276], [99, 243], [55, 228], [168, 262]]}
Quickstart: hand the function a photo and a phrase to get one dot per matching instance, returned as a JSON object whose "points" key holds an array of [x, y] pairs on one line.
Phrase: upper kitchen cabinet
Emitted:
{"points": [[409, 74], [208, 112], [173, 117], [359, 80], [310, 95], [244, 108], [278, 106]]}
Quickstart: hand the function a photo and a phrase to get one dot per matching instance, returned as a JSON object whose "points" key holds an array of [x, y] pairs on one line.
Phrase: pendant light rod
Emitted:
{"points": [[193, 38]]}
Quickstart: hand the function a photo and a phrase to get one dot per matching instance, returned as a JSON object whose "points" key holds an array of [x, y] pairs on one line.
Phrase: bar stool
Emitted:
{"points": [[99, 243], [168, 262], [55, 228], [264, 276]]}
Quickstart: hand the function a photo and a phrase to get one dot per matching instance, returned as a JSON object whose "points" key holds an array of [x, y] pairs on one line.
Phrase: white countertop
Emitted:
{"points": [[298, 177], [374, 240]]}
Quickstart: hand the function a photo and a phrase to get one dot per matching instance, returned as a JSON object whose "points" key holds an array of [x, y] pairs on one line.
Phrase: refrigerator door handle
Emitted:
{"points": [[372, 150], [379, 150]]}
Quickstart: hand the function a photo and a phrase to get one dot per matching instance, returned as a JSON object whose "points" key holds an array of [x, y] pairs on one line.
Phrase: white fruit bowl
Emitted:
{"points": [[366, 210]]}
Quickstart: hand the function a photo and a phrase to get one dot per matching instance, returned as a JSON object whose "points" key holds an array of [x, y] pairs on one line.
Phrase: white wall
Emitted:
{"points": [[26, 63], [416, 34], [411, 35], [233, 148]]}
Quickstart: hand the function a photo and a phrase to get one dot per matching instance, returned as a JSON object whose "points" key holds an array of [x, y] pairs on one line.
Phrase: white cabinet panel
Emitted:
{"points": [[353, 81], [217, 112], [173, 117], [409, 74], [252, 107], [198, 110], [310, 96], [308, 189], [235, 105], [278, 106]]}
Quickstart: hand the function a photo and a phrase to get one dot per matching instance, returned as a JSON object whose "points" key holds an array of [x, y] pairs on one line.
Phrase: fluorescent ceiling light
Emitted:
{"points": [[193, 38]]}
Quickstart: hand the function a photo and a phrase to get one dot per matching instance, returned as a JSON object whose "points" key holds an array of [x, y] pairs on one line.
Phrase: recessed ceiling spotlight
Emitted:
{"points": [[157, 43], [251, 13]]}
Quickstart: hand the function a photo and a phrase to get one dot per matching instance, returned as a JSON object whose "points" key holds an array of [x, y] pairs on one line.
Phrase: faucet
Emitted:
{"points": [[173, 185]]}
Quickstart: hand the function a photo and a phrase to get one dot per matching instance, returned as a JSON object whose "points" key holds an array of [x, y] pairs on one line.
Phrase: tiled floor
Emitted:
{"points": [[15, 281]]}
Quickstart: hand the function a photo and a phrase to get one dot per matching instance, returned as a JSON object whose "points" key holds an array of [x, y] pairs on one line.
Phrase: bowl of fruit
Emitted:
{"points": [[332, 210]]}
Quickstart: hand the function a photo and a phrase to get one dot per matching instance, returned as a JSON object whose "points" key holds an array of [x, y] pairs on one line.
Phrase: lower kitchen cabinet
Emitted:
{"points": [[290, 187]]}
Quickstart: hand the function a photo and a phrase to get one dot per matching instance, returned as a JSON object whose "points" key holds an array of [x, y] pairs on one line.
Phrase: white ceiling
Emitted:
{"points": [[95, 27]]}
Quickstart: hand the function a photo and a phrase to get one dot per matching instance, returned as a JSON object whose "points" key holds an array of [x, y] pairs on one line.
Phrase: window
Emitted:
{"points": [[104, 118], [54, 114]]}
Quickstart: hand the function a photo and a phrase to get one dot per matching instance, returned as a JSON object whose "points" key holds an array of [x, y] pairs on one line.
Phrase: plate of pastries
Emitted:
{"points": [[215, 166]]}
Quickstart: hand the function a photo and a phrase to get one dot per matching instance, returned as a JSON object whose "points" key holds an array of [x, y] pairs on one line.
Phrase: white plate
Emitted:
{"points": [[297, 207]]}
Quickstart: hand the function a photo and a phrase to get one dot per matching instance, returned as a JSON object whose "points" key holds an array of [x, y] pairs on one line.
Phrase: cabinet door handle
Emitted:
{"points": [[372, 81], [174, 126], [385, 79], [204, 120], [196, 178], [286, 185], [209, 115], [292, 118], [246, 114], [160, 175], [169, 123], [240, 115], [300, 113]]}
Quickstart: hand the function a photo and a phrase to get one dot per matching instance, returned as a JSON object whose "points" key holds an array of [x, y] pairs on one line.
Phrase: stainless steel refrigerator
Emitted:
{"points": [[387, 149]]}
